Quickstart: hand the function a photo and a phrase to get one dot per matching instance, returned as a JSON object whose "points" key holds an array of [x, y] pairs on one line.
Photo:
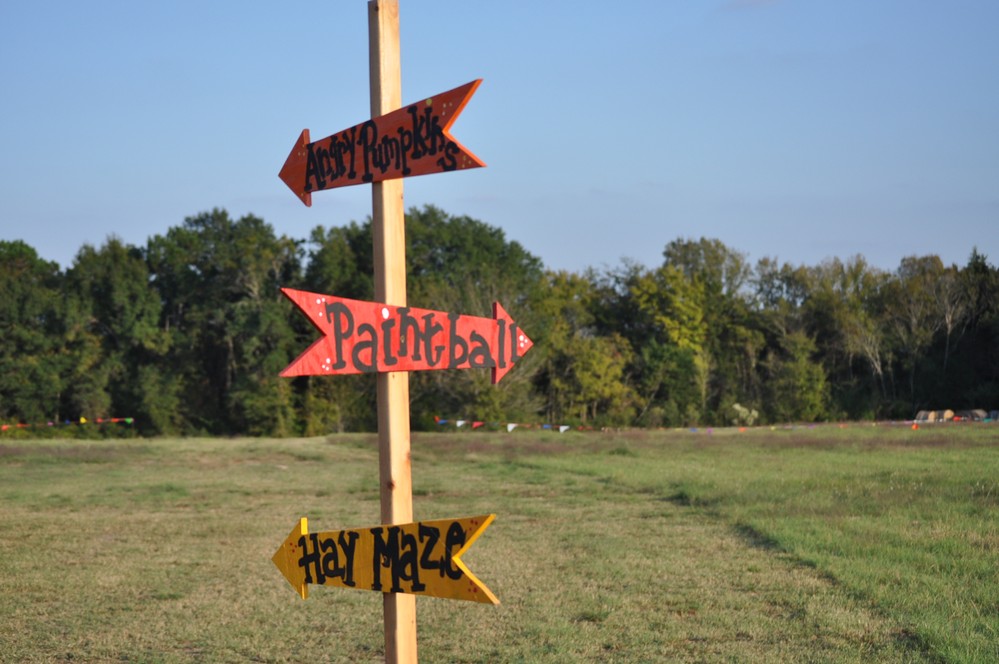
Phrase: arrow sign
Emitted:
{"points": [[422, 558], [413, 140], [363, 337]]}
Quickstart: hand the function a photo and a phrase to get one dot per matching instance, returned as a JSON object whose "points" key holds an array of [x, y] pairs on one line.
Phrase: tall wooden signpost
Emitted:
{"points": [[389, 234], [401, 558]]}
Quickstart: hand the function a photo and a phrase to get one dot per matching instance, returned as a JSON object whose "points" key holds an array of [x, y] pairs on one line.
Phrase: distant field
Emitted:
{"points": [[862, 544]]}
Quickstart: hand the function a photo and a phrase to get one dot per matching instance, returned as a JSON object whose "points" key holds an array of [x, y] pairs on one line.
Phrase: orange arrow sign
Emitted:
{"points": [[413, 140], [422, 558], [364, 337]]}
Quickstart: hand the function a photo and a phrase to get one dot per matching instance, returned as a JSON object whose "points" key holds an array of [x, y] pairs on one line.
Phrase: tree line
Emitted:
{"points": [[187, 334]]}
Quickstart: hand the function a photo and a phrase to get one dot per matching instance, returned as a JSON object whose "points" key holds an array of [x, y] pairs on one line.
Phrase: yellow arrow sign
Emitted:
{"points": [[422, 558]]}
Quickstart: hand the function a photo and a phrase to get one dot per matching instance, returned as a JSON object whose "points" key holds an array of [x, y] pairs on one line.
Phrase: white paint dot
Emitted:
{"points": [[385, 312]]}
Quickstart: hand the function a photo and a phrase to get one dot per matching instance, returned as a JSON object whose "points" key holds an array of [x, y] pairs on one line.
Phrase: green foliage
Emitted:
{"points": [[189, 333], [582, 375], [219, 281], [34, 362], [122, 350], [459, 264], [796, 385]]}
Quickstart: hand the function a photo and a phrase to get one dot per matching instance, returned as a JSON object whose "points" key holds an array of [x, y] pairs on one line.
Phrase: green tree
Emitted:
{"points": [[340, 264], [843, 311], [915, 314], [974, 370], [33, 355], [797, 389], [340, 261], [124, 369], [219, 283], [733, 341], [675, 359], [583, 375], [463, 265]]}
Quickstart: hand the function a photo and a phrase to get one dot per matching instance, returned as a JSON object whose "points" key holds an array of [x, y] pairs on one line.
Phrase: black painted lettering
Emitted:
{"points": [[370, 346], [310, 560], [501, 344], [313, 172], [323, 162], [343, 326], [457, 351], [420, 131], [338, 168], [514, 343], [409, 329], [385, 554], [430, 330], [427, 561], [337, 157], [435, 133], [388, 357], [449, 161], [368, 140], [331, 561], [348, 544], [479, 355], [397, 552], [386, 154], [349, 143], [405, 149], [408, 568], [416, 342], [455, 540]]}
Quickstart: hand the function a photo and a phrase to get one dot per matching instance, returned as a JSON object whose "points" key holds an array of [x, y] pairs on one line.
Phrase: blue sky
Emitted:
{"points": [[794, 129]]}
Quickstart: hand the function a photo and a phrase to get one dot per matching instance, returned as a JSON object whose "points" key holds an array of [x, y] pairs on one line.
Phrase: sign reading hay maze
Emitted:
{"points": [[422, 558]]}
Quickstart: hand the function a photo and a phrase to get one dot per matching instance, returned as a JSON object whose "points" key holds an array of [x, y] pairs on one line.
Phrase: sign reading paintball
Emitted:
{"points": [[364, 337], [413, 140], [421, 558]]}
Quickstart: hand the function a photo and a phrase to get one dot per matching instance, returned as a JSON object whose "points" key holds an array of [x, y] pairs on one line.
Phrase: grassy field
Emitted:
{"points": [[862, 544]]}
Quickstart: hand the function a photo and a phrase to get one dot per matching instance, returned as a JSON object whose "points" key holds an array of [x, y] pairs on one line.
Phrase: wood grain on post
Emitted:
{"points": [[388, 229]]}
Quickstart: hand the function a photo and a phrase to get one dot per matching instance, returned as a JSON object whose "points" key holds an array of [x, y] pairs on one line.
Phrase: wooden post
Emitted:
{"points": [[388, 229]]}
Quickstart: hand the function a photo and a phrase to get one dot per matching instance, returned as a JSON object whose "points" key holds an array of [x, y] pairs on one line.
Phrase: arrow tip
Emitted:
{"points": [[517, 346], [293, 171], [287, 556]]}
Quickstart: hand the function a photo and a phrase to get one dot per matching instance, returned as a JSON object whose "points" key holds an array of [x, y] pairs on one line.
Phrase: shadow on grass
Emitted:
{"points": [[760, 540], [906, 636]]}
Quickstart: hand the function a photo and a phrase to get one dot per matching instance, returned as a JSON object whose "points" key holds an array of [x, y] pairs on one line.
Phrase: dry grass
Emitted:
{"points": [[637, 547]]}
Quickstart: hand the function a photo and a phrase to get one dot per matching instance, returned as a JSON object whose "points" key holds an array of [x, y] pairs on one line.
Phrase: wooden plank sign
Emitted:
{"points": [[413, 140], [422, 558], [363, 337]]}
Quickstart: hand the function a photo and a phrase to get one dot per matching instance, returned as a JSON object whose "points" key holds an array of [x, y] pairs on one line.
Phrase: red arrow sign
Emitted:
{"points": [[413, 140], [363, 337]]}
